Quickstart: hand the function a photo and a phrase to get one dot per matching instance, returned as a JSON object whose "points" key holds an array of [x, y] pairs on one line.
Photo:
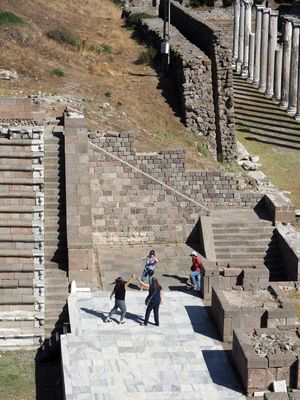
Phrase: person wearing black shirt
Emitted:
{"points": [[119, 292]]}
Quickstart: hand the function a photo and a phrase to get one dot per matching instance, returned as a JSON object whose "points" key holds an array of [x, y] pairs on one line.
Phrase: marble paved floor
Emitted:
{"points": [[179, 360]]}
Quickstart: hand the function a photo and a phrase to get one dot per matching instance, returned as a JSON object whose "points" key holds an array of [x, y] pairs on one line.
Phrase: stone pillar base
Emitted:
{"points": [[291, 111], [284, 105], [297, 117], [238, 67]]}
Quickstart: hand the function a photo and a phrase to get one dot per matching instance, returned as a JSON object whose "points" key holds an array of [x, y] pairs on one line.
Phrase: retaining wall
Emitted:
{"points": [[131, 206], [208, 39]]}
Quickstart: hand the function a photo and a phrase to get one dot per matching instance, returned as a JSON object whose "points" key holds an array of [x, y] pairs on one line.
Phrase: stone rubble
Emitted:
{"points": [[6, 74], [282, 343]]}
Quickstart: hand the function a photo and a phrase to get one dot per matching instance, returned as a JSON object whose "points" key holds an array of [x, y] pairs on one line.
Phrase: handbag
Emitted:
{"points": [[149, 298]]}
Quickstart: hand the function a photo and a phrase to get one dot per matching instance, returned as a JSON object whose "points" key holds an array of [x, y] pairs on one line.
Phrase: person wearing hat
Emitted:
{"points": [[119, 292], [195, 274], [150, 265]]}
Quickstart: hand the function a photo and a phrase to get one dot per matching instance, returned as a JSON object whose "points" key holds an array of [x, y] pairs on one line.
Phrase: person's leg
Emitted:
{"points": [[151, 273], [147, 315], [112, 312], [144, 275], [198, 281], [122, 306], [192, 277], [156, 314]]}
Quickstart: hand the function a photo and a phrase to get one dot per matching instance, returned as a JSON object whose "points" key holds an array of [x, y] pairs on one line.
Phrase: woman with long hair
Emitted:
{"points": [[119, 292], [153, 301]]}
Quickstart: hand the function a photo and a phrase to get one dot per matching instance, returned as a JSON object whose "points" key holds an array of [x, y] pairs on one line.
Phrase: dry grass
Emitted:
{"points": [[294, 296], [134, 89]]}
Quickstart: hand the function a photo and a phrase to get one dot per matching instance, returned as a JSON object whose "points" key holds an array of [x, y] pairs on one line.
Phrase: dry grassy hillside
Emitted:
{"points": [[100, 67]]}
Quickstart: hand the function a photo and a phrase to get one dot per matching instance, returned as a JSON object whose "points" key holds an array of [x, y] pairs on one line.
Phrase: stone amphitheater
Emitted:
{"points": [[78, 209]]}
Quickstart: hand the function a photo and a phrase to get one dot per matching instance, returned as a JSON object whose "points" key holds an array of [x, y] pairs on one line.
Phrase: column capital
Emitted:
{"points": [[296, 24], [237, 2], [259, 7], [274, 13], [288, 18], [266, 10], [248, 3]]}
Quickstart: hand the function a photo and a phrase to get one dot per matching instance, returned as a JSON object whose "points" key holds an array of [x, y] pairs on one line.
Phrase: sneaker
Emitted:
{"points": [[143, 324], [122, 322], [108, 319]]}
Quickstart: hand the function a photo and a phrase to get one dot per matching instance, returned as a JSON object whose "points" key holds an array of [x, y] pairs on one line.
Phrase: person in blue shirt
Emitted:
{"points": [[150, 265]]}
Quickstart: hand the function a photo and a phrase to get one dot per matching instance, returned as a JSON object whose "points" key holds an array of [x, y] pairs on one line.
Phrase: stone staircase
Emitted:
{"points": [[56, 260], [242, 237], [21, 236], [261, 120]]}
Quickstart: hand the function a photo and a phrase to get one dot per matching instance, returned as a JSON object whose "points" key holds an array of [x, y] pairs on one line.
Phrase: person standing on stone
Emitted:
{"points": [[119, 292], [150, 266], [195, 274], [153, 300]]}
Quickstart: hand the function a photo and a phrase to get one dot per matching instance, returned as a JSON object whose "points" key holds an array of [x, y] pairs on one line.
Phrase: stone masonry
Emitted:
{"points": [[246, 308], [204, 35], [124, 196]]}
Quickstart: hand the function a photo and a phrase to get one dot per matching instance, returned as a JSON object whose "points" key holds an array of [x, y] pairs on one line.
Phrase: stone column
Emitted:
{"points": [[286, 60], [256, 74], [247, 30], [236, 33], [271, 52], [264, 50], [278, 74], [241, 37], [297, 116], [251, 57], [292, 107]]}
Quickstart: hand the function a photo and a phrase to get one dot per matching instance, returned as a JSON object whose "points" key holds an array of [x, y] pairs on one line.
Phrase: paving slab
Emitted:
{"points": [[181, 359]]}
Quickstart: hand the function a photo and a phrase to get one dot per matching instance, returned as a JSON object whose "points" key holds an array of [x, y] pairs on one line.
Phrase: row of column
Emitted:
{"points": [[272, 67]]}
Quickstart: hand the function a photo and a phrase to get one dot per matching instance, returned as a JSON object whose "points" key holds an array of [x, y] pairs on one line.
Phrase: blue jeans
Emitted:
{"points": [[195, 279], [145, 273]]}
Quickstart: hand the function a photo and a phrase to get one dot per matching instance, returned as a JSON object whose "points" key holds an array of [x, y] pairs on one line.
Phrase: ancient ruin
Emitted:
{"points": [[80, 207]]}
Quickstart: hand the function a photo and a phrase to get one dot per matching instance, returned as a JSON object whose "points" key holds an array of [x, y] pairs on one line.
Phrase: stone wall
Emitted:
{"points": [[151, 196], [203, 35], [191, 71], [78, 208]]}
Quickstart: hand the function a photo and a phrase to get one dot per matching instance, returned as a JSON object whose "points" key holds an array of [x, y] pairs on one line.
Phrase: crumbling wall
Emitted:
{"points": [[208, 39]]}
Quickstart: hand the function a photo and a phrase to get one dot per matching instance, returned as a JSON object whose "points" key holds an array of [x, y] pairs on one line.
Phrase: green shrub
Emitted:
{"points": [[202, 149], [64, 36], [57, 72], [147, 56], [8, 18], [135, 18], [100, 48], [106, 48]]}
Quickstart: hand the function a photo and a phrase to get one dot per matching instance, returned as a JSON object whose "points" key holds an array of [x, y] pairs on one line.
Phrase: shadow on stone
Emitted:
{"points": [[48, 380], [220, 372], [200, 321], [184, 289], [103, 315]]}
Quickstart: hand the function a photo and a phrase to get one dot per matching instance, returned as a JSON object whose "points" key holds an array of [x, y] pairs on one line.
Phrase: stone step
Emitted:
{"points": [[16, 267], [261, 125], [242, 225], [19, 142], [21, 154], [12, 297], [242, 236], [19, 253], [20, 212], [240, 242], [54, 265], [19, 223], [21, 181], [18, 195], [24, 337]]}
